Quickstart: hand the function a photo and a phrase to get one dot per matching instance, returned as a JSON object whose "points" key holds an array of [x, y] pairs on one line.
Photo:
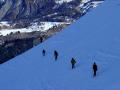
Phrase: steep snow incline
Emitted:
{"points": [[95, 37]]}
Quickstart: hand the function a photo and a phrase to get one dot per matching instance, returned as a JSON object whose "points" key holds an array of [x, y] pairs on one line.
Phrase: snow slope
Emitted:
{"points": [[95, 37]]}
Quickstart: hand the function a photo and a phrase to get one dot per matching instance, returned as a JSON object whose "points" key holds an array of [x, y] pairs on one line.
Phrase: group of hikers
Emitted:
{"points": [[73, 61]]}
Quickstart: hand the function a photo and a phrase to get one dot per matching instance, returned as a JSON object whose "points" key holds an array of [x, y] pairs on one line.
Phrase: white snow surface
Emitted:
{"points": [[94, 37], [96, 3], [4, 23], [44, 26], [61, 1]]}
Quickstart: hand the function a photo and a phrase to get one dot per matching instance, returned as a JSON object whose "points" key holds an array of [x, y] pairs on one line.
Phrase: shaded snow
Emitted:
{"points": [[94, 37]]}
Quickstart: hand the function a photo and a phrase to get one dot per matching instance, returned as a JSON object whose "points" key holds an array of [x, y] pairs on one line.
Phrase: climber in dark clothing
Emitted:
{"points": [[43, 52], [94, 69], [56, 55], [41, 39], [73, 63]]}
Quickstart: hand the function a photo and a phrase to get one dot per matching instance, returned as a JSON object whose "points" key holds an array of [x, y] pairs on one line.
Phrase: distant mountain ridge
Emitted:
{"points": [[48, 10]]}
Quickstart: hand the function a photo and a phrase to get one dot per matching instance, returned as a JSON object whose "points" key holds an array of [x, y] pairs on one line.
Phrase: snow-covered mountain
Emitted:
{"points": [[45, 10], [95, 37], [52, 11]]}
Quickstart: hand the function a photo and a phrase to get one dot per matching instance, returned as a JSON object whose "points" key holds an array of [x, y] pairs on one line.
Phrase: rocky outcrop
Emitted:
{"points": [[5, 8], [15, 9]]}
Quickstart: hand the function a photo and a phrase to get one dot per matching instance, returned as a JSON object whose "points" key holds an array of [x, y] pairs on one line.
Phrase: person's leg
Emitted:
{"points": [[55, 57], [72, 66], [94, 73], [43, 53]]}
